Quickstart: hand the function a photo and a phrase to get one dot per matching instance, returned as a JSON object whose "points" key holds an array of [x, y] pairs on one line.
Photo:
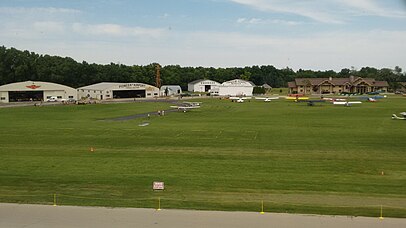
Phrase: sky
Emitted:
{"points": [[299, 34]]}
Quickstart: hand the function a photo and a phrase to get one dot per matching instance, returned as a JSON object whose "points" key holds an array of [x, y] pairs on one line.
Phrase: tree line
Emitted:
{"points": [[17, 66]]}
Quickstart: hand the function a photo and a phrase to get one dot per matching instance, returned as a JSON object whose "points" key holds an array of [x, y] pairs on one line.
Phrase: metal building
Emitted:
{"points": [[113, 90], [35, 91]]}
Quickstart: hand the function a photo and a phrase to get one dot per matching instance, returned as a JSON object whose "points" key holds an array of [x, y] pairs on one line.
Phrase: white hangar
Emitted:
{"points": [[236, 87], [170, 90], [203, 85], [35, 91], [113, 90]]}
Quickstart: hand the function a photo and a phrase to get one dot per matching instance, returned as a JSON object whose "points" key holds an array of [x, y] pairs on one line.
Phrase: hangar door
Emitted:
{"points": [[128, 93], [20, 96]]}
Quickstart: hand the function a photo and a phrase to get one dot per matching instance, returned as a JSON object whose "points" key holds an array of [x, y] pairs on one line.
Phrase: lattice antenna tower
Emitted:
{"points": [[158, 76]]}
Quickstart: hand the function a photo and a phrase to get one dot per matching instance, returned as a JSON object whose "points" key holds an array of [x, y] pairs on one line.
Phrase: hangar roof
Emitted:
{"points": [[34, 85], [108, 85], [238, 82], [201, 80], [101, 86]]}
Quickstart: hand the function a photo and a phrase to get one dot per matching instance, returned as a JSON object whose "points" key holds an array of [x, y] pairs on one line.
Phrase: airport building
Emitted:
{"points": [[170, 90], [113, 90], [336, 85], [203, 85], [236, 87], [35, 91]]}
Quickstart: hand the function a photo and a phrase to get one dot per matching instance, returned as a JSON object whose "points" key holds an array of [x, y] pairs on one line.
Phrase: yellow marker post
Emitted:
{"points": [[381, 213], [54, 200], [262, 208], [159, 204]]}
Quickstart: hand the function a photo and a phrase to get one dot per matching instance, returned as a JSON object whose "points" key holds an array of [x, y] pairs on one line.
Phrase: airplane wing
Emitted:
{"points": [[267, 98], [395, 117], [346, 102], [238, 98]]}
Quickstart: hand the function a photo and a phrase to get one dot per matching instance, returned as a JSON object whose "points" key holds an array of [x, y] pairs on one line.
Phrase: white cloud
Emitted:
{"points": [[37, 10], [259, 21], [332, 12], [371, 7], [309, 9], [49, 27], [318, 51], [117, 30]]}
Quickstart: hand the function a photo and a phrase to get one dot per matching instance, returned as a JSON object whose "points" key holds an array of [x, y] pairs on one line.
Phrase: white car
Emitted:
{"points": [[52, 99]]}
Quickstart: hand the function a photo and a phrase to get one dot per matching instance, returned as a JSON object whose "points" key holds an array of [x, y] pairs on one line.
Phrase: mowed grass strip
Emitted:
{"points": [[224, 156]]}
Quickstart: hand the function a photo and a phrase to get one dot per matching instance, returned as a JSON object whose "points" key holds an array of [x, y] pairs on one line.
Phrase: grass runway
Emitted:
{"points": [[323, 159]]}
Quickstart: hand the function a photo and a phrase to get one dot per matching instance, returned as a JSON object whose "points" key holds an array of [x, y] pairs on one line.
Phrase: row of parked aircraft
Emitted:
{"points": [[335, 101], [185, 106]]}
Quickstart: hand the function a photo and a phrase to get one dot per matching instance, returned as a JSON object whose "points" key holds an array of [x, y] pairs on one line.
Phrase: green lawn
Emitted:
{"points": [[224, 156]]}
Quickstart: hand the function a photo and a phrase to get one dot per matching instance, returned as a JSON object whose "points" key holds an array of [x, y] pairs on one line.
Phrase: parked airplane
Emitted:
{"points": [[266, 99], [372, 99], [346, 103], [297, 98], [186, 106], [239, 99], [402, 117], [334, 99]]}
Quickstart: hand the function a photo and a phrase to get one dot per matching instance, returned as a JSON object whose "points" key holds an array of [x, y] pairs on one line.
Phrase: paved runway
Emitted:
{"points": [[21, 215]]}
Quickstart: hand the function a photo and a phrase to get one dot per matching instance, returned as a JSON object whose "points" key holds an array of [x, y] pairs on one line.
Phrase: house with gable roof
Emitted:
{"points": [[336, 85]]}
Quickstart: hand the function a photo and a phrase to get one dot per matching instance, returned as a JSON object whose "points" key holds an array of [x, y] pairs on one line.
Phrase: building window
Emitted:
{"points": [[59, 97], [70, 97], [149, 94], [155, 94], [107, 95], [2, 98]]}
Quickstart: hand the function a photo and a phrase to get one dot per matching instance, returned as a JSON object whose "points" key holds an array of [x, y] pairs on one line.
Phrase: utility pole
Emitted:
{"points": [[158, 76]]}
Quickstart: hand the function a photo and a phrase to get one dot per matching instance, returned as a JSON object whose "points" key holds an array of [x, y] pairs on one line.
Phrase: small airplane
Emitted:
{"points": [[371, 99], [346, 103], [402, 117], [239, 99], [334, 99], [266, 99], [186, 106], [297, 98], [192, 103]]}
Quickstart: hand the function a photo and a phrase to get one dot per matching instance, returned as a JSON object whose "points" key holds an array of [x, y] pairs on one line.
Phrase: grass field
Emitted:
{"points": [[224, 156]]}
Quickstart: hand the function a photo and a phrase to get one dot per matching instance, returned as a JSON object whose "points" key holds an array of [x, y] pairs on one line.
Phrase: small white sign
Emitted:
{"points": [[158, 185]]}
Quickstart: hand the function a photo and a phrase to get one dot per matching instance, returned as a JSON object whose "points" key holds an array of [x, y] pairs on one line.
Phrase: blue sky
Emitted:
{"points": [[307, 34]]}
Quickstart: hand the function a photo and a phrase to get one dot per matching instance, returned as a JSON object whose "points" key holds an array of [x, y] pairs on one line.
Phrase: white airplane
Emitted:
{"points": [[239, 99], [186, 106], [334, 99], [192, 103], [402, 117], [346, 103], [266, 99]]}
